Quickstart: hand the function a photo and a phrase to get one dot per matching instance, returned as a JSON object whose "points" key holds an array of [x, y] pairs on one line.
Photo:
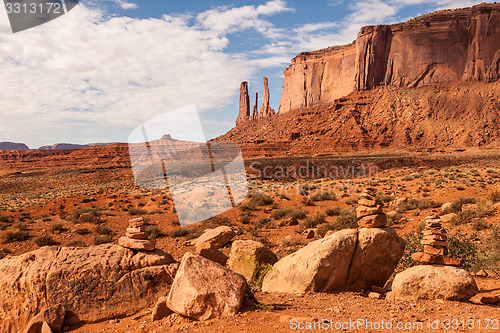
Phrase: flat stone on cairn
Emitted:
{"points": [[435, 245], [369, 212], [136, 236]]}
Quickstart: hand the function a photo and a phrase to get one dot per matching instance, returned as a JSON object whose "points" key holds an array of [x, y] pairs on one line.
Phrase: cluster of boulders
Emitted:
{"points": [[136, 237], [435, 245]]}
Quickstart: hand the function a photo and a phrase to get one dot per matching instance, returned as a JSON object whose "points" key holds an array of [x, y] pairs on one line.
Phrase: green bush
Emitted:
{"points": [[464, 247], [412, 245], [347, 219]]}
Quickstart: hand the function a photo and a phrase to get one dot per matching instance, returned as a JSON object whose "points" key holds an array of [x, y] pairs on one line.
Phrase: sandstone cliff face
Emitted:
{"points": [[446, 46]]}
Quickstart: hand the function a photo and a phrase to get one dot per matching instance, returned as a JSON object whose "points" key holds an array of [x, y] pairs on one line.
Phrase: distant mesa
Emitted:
{"points": [[13, 146], [61, 146]]}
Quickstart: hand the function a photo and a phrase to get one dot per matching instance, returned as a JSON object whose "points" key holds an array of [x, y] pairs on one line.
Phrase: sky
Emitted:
{"points": [[107, 66]]}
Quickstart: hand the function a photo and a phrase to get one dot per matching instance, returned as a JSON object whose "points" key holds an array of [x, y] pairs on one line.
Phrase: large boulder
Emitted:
{"points": [[434, 282], [92, 284], [247, 256], [218, 237], [345, 260], [377, 254], [321, 266], [203, 289]]}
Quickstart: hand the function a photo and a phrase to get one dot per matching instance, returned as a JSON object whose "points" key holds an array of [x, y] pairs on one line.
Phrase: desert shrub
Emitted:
{"points": [[412, 245], [479, 225], [393, 218], [136, 211], [179, 232], [306, 201], [3, 253], [56, 227], [295, 241], [463, 217], [14, 235], [245, 218], [89, 199], [85, 215], [417, 204], [103, 230], [384, 197], [76, 244], [494, 195], [352, 201], [313, 220], [4, 219], [333, 211], [464, 247], [260, 200], [323, 196], [456, 205], [82, 231], [347, 219], [154, 231], [98, 240], [297, 213], [24, 216], [490, 255], [45, 240], [262, 222]]}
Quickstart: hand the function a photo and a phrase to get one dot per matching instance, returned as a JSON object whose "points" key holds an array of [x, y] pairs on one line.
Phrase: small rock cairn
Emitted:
{"points": [[435, 245], [136, 236], [369, 211]]}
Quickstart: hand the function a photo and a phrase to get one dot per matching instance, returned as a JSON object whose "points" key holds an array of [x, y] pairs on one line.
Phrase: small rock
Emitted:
{"points": [[210, 252], [490, 299], [309, 233], [482, 273], [375, 295], [161, 310], [218, 237]]}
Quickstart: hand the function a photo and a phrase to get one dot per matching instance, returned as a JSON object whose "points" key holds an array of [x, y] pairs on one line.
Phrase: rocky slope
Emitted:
{"points": [[444, 117], [446, 46]]}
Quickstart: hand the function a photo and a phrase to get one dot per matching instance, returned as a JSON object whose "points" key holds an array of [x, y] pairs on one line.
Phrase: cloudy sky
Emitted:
{"points": [[107, 66]]}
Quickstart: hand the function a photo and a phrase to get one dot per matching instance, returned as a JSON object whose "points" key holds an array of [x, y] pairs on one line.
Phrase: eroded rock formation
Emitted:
{"points": [[446, 46], [244, 113], [266, 110]]}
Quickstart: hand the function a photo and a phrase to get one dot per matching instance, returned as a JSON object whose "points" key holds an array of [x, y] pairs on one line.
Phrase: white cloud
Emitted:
{"points": [[126, 5], [97, 76]]}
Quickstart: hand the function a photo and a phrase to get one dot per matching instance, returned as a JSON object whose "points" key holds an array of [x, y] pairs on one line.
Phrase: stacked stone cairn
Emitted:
{"points": [[136, 236], [435, 245], [370, 211]]}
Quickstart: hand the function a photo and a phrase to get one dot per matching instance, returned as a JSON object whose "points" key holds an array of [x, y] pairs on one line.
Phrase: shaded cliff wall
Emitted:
{"points": [[446, 46]]}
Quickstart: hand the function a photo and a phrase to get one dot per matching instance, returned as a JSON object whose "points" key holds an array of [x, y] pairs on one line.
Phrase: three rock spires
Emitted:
{"points": [[244, 110]]}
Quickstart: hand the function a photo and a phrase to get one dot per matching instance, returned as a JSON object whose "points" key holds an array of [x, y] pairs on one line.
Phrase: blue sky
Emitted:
{"points": [[107, 66]]}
